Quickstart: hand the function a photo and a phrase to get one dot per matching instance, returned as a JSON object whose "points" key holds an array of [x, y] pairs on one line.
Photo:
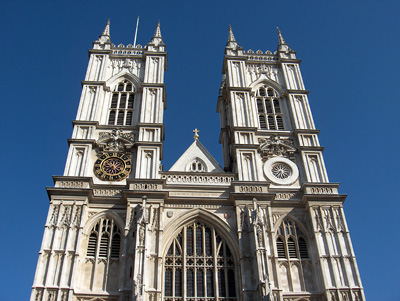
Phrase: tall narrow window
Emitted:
{"points": [[269, 110], [200, 254], [121, 108], [104, 240], [290, 241]]}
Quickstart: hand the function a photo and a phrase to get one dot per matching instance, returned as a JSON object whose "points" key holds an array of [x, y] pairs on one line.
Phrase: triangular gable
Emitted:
{"points": [[196, 153]]}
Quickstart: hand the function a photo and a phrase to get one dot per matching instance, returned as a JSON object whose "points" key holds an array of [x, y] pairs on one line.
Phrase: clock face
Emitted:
{"points": [[112, 166]]}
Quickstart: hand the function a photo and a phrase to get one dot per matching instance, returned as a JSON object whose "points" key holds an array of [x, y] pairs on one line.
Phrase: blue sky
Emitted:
{"points": [[350, 64]]}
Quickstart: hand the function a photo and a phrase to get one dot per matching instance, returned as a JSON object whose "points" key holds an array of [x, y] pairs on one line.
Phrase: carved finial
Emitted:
{"points": [[255, 204], [281, 41], [231, 37], [196, 134]]}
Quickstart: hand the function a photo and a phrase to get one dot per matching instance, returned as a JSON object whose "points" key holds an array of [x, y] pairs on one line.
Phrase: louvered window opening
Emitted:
{"points": [[290, 242], [121, 109], [269, 109], [100, 245], [199, 266]]}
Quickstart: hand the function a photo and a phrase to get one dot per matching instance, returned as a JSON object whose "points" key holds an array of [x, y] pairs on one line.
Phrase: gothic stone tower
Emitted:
{"points": [[267, 226], [290, 222]]}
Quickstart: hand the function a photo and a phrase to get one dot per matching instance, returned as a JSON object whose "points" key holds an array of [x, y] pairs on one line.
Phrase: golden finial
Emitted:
{"points": [[196, 134]]}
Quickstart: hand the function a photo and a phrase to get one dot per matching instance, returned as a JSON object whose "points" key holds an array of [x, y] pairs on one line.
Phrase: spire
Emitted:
{"points": [[231, 37], [232, 44], [105, 36], [106, 31], [157, 34], [282, 46], [157, 38]]}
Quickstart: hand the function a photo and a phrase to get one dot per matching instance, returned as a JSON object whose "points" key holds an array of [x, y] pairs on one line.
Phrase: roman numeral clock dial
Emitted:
{"points": [[112, 166]]}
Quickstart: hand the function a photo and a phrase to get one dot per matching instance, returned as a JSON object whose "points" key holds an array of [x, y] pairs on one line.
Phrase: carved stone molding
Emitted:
{"points": [[77, 218], [143, 186], [287, 196], [71, 184], [107, 192], [202, 179], [322, 190], [66, 215], [206, 206], [250, 189], [54, 215]]}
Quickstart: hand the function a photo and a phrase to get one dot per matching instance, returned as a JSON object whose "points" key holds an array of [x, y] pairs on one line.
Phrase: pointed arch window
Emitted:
{"points": [[199, 266], [121, 108], [290, 242], [104, 240], [269, 109]]}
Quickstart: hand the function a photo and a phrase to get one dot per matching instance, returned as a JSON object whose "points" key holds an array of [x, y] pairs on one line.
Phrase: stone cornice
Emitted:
{"points": [[82, 141], [313, 148], [321, 193], [306, 131], [291, 91], [286, 60]]}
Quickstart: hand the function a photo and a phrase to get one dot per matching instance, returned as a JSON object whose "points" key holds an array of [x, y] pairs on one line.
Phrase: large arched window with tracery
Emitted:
{"points": [[294, 262], [269, 108], [101, 267], [199, 266], [121, 108], [104, 240]]}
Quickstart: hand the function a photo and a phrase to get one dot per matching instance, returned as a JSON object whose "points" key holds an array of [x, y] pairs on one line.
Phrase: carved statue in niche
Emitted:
{"points": [[257, 214], [276, 146], [244, 218], [154, 223]]}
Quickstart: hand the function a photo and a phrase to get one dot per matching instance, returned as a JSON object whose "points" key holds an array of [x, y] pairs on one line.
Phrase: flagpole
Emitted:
{"points": [[137, 25]]}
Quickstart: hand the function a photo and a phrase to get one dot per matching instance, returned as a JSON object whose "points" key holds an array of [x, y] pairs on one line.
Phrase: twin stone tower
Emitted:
{"points": [[267, 226]]}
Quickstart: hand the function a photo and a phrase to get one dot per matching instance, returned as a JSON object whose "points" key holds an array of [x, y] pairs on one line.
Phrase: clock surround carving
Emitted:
{"points": [[113, 151]]}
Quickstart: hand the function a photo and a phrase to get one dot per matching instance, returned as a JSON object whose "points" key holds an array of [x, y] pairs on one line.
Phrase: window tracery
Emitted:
{"points": [[104, 240], [121, 108], [269, 109], [197, 165], [199, 266], [290, 241], [294, 262]]}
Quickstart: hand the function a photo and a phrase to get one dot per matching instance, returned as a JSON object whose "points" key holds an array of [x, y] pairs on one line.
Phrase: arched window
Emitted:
{"points": [[104, 240], [199, 266], [290, 241], [269, 109], [121, 108], [197, 165]]}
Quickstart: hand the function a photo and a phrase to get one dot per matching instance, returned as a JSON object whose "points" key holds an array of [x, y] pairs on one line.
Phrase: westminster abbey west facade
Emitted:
{"points": [[267, 226]]}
